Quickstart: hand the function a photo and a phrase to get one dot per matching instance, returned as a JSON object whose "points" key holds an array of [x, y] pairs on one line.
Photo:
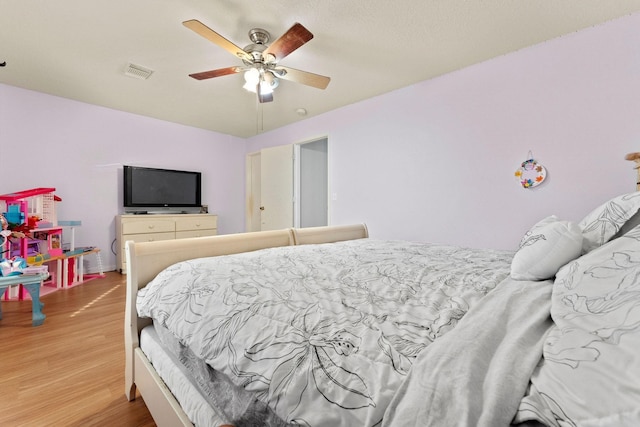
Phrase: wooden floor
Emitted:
{"points": [[69, 371]]}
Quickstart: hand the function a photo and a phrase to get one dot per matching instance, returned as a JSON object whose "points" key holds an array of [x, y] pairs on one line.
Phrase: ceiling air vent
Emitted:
{"points": [[138, 71]]}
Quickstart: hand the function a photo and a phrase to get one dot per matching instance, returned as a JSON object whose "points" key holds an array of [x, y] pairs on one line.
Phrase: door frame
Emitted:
{"points": [[249, 197]]}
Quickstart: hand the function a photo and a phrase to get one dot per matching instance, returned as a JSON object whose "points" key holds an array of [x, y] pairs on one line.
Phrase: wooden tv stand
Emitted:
{"points": [[154, 227]]}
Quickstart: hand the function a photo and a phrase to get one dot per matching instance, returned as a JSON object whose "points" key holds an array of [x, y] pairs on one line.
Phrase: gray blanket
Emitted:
{"points": [[477, 374], [231, 402]]}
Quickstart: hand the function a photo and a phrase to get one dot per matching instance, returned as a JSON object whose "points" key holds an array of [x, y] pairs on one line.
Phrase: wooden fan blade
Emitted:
{"points": [[295, 37], [215, 73], [206, 32], [304, 77]]}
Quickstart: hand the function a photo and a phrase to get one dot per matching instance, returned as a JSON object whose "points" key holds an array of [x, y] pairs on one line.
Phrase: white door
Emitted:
{"points": [[276, 187], [252, 215]]}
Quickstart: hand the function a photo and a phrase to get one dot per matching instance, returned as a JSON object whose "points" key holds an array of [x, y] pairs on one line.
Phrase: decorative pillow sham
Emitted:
{"points": [[632, 223], [590, 372], [546, 247], [601, 224]]}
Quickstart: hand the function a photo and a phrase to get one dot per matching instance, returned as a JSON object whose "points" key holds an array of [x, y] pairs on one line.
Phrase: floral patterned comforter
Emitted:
{"points": [[324, 334]]}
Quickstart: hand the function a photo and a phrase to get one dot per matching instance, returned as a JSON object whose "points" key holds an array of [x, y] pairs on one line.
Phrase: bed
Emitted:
{"points": [[327, 327]]}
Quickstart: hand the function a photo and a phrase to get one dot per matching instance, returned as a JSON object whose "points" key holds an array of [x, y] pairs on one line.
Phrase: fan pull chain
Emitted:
{"points": [[259, 117]]}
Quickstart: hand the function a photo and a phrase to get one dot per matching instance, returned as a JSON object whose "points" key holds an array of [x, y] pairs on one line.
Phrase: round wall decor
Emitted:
{"points": [[531, 173]]}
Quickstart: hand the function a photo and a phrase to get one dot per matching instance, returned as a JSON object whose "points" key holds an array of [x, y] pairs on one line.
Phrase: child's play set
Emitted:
{"points": [[34, 242]]}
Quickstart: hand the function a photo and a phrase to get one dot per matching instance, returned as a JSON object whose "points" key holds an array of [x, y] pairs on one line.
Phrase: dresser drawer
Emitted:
{"points": [[204, 222], [148, 226], [149, 237], [195, 233], [139, 238]]}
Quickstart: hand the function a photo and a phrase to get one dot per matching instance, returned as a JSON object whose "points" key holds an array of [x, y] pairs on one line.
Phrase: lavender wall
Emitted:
{"points": [[431, 162], [435, 161], [79, 149]]}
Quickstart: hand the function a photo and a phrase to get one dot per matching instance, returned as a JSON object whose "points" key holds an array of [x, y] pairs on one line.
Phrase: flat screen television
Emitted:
{"points": [[151, 187]]}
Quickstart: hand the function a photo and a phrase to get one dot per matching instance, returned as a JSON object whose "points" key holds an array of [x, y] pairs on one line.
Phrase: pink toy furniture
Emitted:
{"points": [[23, 204]]}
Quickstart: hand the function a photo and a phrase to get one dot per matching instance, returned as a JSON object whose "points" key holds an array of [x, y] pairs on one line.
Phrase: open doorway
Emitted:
{"points": [[311, 185], [288, 186]]}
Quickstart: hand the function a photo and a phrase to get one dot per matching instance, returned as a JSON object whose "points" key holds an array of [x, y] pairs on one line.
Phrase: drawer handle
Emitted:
{"points": [[151, 226]]}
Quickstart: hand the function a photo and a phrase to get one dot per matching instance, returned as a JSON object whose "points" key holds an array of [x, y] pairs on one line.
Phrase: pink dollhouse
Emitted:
{"points": [[34, 212], [36, 209]]}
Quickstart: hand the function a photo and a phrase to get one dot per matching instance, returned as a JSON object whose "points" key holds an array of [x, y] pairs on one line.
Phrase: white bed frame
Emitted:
{"points": [[146, 260]]}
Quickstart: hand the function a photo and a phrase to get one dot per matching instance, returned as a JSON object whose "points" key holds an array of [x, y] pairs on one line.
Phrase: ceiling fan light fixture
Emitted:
{"points": [[269, 82], [266, 88], [249, 87], [252, 76], [266, 81]]}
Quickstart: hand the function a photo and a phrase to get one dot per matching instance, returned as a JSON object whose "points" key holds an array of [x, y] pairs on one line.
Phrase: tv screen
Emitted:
{"points": [[150, 187]]}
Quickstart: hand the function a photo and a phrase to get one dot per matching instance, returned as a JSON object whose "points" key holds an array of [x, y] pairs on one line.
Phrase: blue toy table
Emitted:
{"points": [[32, 284]]}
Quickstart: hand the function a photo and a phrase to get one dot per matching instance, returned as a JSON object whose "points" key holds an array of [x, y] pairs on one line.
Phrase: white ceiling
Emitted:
{"points": [[79, 49]]}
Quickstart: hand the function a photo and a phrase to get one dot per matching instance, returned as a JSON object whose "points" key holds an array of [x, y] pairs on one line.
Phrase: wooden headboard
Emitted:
{"points": [[330, 234]]}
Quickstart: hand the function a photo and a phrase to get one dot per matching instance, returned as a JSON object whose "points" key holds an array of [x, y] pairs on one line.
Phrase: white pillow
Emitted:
{"points": [[601, 224], [590, 372], [546, 247]]}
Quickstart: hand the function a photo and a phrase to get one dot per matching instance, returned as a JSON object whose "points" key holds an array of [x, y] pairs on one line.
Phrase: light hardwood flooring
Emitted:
{"points": [[69, 371]]}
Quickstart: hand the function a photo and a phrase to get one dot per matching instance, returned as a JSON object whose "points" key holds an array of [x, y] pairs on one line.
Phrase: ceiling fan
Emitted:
{"points": [[261, 69]]}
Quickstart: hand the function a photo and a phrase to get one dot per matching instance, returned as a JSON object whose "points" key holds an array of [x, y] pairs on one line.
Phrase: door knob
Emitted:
{"points": [[261, 208]]}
